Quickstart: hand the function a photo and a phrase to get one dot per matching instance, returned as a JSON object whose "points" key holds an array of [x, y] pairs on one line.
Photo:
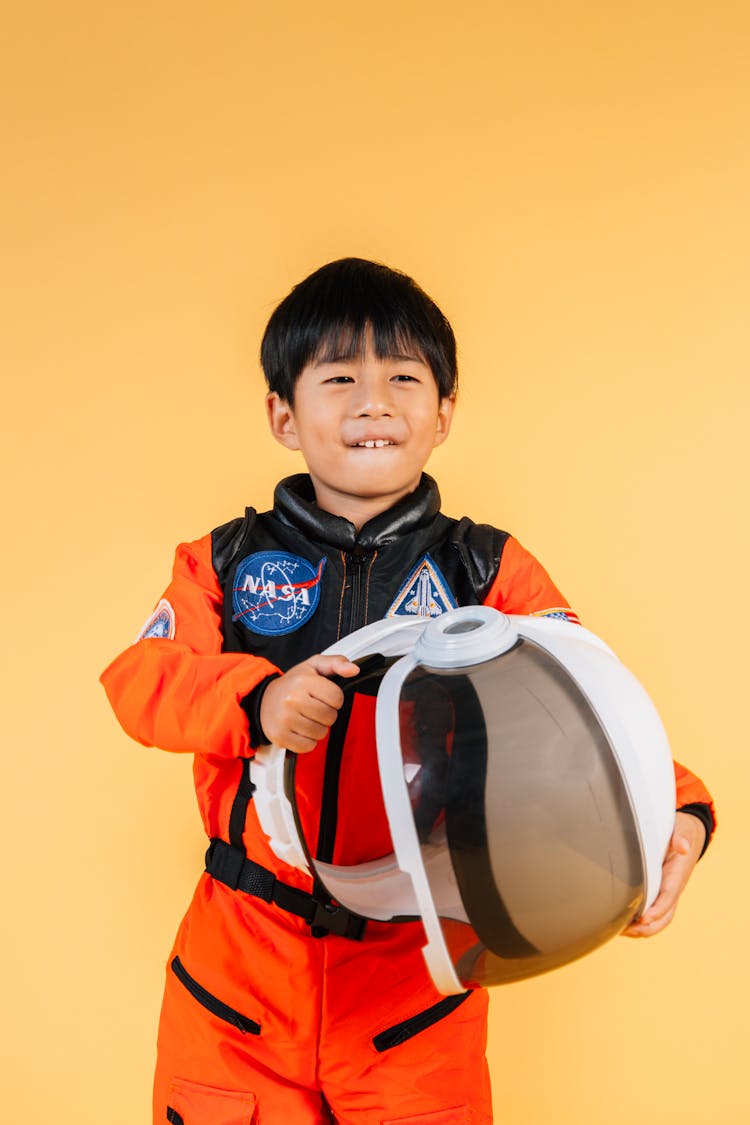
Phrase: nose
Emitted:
{"points": [[374, 397]]}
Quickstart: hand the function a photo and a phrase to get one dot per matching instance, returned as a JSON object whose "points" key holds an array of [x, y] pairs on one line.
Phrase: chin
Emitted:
{"points": [[376, 479]]}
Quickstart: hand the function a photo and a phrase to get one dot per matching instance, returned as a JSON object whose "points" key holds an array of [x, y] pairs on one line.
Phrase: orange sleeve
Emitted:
{"points": [[692, 791], [179, 691], [522, 585]]}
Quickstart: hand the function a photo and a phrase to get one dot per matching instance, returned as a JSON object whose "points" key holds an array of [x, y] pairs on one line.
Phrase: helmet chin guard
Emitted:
{"points": [[528, 786]]}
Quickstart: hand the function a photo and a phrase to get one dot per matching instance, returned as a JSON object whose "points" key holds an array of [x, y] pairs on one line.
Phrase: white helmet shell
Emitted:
{"points": [[528, 785]]}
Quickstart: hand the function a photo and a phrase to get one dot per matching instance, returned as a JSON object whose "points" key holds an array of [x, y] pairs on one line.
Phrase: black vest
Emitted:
{"points": [[296, 579]]}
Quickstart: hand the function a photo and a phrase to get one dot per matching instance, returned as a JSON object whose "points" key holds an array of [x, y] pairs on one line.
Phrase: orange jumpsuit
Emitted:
{"points": [[267, 1019]]}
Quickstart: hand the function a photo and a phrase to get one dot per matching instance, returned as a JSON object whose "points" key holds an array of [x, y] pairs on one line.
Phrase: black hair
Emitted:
{"points": [[327, 316]]}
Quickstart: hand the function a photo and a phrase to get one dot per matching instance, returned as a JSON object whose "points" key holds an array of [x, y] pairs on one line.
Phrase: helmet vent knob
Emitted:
{"points": [[466, 626]]}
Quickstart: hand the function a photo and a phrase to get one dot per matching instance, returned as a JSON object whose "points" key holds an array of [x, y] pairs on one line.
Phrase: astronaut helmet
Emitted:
{"points": [[528, 785]]}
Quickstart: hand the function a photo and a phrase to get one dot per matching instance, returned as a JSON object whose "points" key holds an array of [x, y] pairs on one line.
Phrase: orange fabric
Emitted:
{"points": [[316, 1007], [522, 585], [319, 1003], [194, 1102], [691, 790], [183, 694]]}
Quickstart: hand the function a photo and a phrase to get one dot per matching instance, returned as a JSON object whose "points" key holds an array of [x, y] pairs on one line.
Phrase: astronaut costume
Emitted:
{"points": [[281, 1004]]}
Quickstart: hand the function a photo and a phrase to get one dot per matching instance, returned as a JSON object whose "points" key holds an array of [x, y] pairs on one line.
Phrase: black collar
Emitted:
{"points": [[294, 503]]}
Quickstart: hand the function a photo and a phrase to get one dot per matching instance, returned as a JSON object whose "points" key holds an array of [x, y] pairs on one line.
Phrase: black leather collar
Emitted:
{"points": [[294, 503]]}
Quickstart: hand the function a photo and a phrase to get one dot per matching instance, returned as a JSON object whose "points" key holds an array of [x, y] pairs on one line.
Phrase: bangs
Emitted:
{"points": [[335, 312], [350, 340]]}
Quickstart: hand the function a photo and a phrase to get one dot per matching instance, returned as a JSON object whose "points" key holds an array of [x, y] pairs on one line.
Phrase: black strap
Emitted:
{"points": [[242, 799], [329, 801], [230, 866]]}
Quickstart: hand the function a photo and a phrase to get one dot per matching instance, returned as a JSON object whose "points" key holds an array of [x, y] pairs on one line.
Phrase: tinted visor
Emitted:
{"points": [[526, 830]]}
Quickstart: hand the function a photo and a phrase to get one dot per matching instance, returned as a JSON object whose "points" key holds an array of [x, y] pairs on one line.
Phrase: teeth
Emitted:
{"points": [[373, 444]]}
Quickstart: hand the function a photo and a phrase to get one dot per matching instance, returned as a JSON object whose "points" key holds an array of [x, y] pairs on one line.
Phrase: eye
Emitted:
{"points": [[339, 379], [405, 379]]}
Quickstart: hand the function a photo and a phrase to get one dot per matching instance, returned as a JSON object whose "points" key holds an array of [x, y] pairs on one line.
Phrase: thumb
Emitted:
{"points": [[679, 843], [335, 665]]}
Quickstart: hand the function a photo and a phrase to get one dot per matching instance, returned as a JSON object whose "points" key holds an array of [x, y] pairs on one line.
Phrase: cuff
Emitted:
{"points": [[250, 704]]}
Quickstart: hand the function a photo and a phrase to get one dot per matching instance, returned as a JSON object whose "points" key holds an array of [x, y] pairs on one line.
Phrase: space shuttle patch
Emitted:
{"points": [[425, 593], [160, 624]]}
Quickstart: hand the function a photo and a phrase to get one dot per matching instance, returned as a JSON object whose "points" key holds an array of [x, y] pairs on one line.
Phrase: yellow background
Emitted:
{"points": [[570, 182]]}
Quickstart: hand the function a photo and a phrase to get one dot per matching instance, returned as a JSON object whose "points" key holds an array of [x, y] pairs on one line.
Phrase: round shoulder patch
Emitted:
{"points": [[275, 593]]}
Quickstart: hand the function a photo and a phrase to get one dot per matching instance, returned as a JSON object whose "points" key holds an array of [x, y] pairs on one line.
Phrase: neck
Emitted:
{"points": [[358, 510]]}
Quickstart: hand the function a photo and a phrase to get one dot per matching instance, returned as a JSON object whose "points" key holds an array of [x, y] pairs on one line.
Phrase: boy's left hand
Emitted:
{"points": [[682, 855]]}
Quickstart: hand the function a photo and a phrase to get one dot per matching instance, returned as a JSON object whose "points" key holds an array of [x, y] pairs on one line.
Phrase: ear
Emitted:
{"points": [[444, 419], [281, 420]]}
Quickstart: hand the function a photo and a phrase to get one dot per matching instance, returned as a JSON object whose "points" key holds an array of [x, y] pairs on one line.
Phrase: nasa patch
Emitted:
{"points": [[275, 593], [424, 594], [160, 624]]}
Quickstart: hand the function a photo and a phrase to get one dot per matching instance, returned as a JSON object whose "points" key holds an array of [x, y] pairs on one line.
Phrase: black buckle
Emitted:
{"points": [[224, 863], [229, 865], [328, 918]]}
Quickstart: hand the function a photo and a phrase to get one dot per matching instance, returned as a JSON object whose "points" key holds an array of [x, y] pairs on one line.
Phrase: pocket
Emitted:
{"points": [[459, 1115], [212, 1003], [400, 1032], [193, 1104]]}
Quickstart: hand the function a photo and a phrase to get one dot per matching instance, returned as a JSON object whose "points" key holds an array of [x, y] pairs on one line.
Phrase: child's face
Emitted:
{"points": [[366, 428]]}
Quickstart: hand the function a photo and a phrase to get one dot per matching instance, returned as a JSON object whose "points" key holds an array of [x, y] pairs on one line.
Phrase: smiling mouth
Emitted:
{"points": [[375, 444]]}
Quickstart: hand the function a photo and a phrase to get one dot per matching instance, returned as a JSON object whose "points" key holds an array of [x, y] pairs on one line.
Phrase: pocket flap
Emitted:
{"points": [[193, 1104], [459, 1115]]}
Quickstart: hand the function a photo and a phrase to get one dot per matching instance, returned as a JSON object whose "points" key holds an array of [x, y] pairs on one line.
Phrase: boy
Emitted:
{"points": [[279, 1007]]}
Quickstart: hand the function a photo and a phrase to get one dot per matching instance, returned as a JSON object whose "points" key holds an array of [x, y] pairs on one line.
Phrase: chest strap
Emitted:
{"points": [[230, 866]]}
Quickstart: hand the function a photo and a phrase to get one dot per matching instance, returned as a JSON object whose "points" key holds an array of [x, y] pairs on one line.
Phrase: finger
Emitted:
{"points": [[299, 744], [322, 711], [676, 869], [324, 692], [301, 726], [674, 877], [656, 925], [302, 689], [297, 733], [319, 687], [665, 901], [656, 912], [643, 928], [676, 872], [335, 665]]}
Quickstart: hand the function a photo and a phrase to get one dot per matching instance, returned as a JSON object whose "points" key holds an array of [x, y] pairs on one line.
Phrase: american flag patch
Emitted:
{"points": [[563, 613]]}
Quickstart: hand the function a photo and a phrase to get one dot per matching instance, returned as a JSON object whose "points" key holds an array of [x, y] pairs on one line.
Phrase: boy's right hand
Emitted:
{"points": [[299, 707]]}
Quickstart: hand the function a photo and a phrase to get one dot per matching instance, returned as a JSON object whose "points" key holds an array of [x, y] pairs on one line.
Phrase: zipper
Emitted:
{"points": [[212, 1003], [400, 1032], [357, 559]]}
